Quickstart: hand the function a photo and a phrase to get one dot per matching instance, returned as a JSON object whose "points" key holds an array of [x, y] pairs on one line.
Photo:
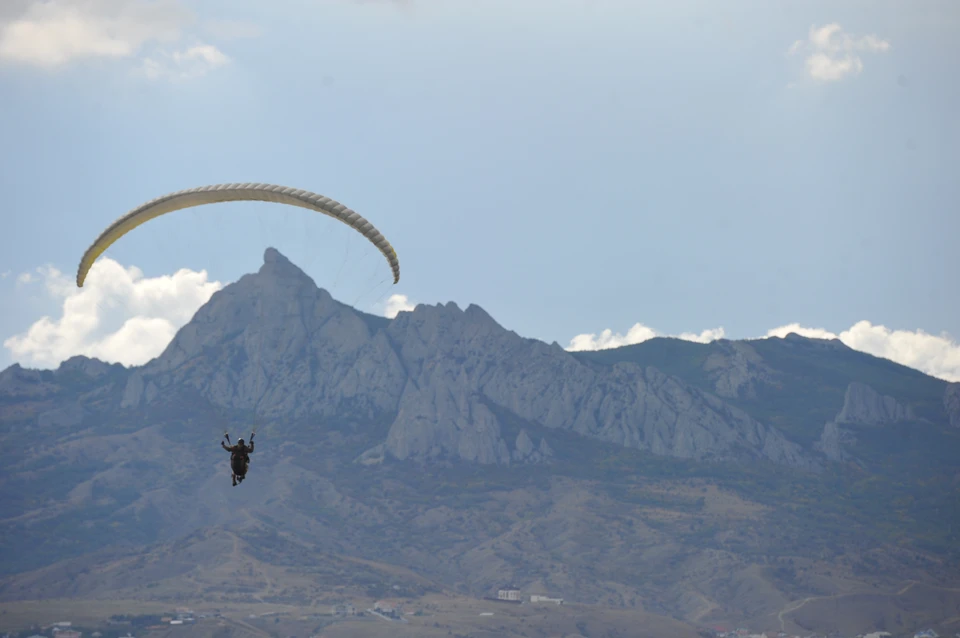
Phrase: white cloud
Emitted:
{"points": [[832, 54], [25, 278], [52, 33], [708, 335], [190, 63], [118, 316], [638, 333], [397, 304], [936, 355]]}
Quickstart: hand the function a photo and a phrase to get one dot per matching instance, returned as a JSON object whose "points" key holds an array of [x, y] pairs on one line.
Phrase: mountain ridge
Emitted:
{"points": [[293, 319]]}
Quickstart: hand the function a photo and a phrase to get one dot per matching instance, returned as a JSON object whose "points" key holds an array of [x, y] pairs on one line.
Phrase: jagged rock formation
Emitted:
{"points": [[276, 343], [438, 420], [864, 406], [951, 403]]}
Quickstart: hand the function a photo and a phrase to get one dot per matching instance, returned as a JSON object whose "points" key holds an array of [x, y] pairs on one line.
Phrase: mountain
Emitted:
{"points": [[439, 453]]}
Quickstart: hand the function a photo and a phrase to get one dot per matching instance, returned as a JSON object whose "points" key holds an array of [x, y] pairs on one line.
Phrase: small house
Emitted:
{"points": [[510, 593]]}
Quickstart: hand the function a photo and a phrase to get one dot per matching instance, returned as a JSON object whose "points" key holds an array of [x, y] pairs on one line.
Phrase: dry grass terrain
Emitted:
{"points": [[437, 616]]}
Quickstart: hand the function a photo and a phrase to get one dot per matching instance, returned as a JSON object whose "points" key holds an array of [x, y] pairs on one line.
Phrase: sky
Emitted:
{"points": [[590, 172]]}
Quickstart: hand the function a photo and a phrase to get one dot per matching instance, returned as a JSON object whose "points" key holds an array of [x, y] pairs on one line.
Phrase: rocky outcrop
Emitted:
{"points": [[525, 451], [87, 367], [634, 407], [863, 405], [737, 370], [450, 352], [813, 343], [438, 420], [22, 383], [374, 456], [951, 403], [834, 441]]}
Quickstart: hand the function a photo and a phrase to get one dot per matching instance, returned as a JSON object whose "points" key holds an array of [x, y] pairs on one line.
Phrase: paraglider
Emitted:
{"points": [[203, 195], [239, 457], [234, 193]]}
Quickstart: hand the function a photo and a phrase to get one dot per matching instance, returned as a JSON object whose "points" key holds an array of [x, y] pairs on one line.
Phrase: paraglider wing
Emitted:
{"points": [[233, 193]]}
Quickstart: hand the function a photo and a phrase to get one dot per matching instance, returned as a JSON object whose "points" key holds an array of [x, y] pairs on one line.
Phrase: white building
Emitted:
{"points": [[509, 593]]}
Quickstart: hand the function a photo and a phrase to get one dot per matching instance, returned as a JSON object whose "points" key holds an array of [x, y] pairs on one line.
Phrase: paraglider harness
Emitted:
{"points": [[239, 456]]}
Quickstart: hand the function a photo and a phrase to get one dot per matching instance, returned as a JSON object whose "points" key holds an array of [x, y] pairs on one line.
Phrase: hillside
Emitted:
{"points": [[440, 454]]}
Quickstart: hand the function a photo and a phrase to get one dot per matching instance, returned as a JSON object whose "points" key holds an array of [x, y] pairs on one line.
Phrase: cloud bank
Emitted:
{"points": [[119, 316], [936, 355]]}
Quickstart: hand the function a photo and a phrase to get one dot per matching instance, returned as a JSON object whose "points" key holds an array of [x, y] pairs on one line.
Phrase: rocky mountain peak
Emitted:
{"points": [[12, 373], [19, 382], [477, 314], [256, 306], [276, 266], [816, 342], [86, 366], [272, 341], [445, 330], [273, 256]]}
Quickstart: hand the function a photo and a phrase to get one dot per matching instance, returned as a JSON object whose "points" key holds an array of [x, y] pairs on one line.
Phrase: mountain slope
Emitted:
{"points": [[276, 343], [713, 482]]}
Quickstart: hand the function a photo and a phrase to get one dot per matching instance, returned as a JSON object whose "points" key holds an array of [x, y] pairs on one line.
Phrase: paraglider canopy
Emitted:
{"points": [[232, 193]]}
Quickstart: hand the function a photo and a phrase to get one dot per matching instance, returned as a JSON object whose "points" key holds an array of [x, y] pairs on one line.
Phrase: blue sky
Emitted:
{"points": [[572, 167]]}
